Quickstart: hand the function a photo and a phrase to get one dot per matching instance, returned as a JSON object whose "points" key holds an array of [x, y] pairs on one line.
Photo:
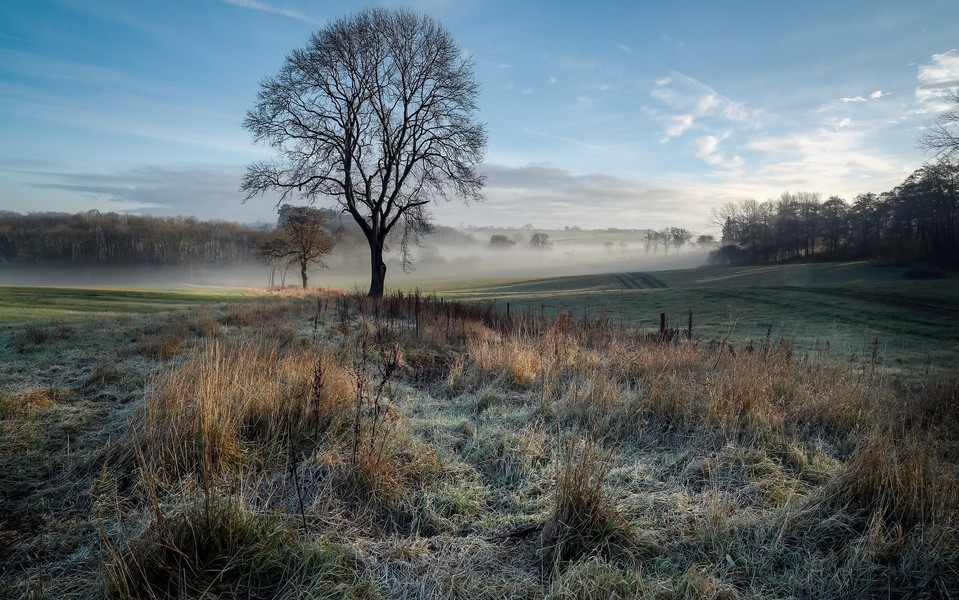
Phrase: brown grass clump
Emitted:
{"points": [[32, 400], [905, 477], [583, 520], [228, 552], [212, 410]]}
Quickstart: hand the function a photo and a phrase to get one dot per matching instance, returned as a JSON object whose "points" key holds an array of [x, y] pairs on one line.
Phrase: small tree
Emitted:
{"points": [[301, 239], [500, 242], [540, 241]]}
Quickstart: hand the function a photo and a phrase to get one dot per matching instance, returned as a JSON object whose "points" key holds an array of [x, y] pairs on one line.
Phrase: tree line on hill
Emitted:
{"points": [[917, 220], [111, 239], [95, 239]]}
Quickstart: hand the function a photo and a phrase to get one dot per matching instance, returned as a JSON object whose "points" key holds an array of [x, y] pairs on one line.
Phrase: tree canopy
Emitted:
{"points": [[375, 114]]}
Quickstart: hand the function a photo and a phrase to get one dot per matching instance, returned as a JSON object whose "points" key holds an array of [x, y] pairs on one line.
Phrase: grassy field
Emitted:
{"points": [[232, 444], [832, 310], [21, 305]]}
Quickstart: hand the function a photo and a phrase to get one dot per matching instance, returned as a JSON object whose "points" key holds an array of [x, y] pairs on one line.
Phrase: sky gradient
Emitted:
{"points": [[600, 114]]}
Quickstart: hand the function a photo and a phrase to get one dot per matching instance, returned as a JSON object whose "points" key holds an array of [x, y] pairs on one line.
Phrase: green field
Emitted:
{"points": [[836, 310], [21, 305]]}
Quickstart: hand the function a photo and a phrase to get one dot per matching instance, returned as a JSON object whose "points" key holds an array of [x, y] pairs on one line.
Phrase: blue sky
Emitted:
{"points": [[600, 114]]}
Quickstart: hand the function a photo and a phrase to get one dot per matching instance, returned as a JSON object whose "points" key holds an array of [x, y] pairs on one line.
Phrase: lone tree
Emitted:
{"points": [[301, 239], [376, 114]]}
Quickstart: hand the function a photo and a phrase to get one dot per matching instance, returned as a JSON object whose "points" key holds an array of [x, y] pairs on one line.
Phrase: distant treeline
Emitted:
{"points": [[918, 220], [111, 239]]}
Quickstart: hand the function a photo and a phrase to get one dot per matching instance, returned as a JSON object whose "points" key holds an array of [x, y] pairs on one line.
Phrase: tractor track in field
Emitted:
{"points": [[932, 309], [639, 281]]}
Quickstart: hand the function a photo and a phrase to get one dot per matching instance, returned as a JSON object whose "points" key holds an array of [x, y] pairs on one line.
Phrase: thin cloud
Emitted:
{"points": [[707, 149], [937, 78], [692, 102], [873, 96], [276, 10], [624, 47]]}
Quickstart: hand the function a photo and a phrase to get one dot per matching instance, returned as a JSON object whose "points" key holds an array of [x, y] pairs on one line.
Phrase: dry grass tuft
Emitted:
{"points": [[907, 478], [583, 520], [213, 410], [32, 400], [226, 551]]}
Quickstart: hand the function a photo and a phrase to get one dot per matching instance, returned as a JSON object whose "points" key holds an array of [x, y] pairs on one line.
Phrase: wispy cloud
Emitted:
{"points": [[690, 102], [707, 149], [937, 78], [276, 10], [873, 96], [623, 47]]}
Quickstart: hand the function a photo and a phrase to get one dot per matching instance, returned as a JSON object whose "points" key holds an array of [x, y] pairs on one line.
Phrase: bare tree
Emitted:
{"points": [[942, 137], [301, 239], [273, 251], [375, 114]]}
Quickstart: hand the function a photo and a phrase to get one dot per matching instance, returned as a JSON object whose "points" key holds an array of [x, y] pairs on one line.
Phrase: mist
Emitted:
{"points": [[461, 256]]}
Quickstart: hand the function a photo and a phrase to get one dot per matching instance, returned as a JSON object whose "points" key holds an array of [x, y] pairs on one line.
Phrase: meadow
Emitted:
{"points": [[834, 310], [165, 444]]}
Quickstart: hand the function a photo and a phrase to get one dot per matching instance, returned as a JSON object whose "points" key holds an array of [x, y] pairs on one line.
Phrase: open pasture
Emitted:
{"points": [[834, 310]]}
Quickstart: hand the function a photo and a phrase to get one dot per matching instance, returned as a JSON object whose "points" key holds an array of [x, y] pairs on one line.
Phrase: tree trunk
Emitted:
{"points": [[377, 269], [303, 273]]}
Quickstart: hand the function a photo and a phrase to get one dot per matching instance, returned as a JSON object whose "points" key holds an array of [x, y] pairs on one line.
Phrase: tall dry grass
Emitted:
{"points": [[235, 404]]}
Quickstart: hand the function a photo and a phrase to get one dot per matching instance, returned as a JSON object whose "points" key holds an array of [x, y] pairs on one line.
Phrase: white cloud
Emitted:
{"points": [[937, 78], [707, 149], [527, 91], [623, 47], [833, 161], [676, 126], [873, 96], [552, 80], [696, 102]]}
